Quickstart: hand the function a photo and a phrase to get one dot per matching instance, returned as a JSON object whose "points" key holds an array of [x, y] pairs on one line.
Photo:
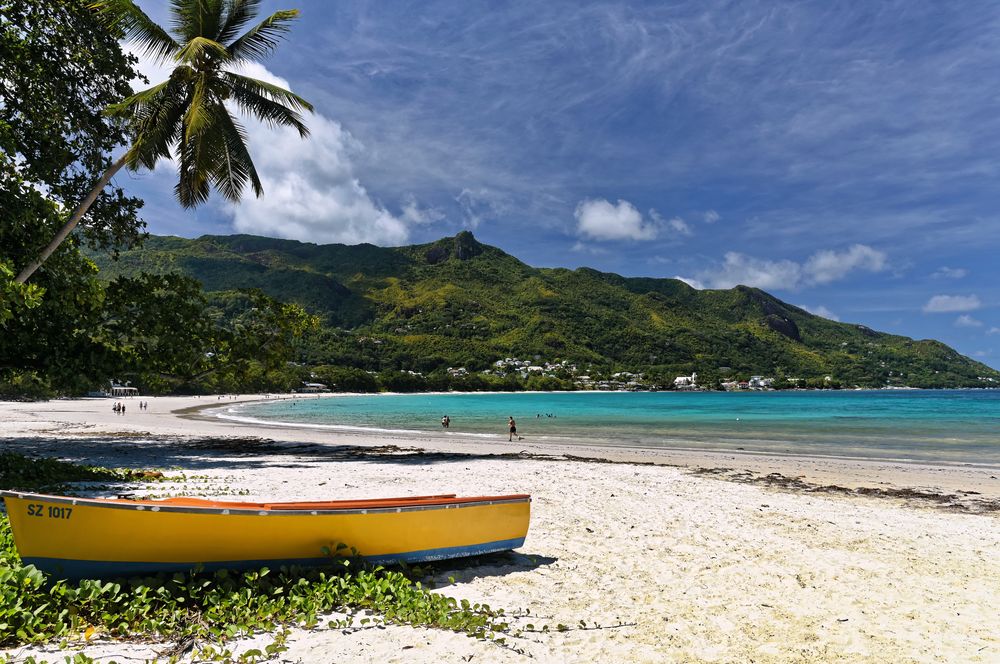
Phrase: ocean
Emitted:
{"points": [[937, 426]]}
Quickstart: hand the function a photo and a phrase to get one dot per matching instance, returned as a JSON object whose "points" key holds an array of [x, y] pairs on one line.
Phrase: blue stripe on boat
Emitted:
{"points": [[97, 569]]}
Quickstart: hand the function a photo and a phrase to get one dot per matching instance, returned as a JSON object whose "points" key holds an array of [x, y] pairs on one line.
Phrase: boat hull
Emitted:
{"points": [[76, 538]]}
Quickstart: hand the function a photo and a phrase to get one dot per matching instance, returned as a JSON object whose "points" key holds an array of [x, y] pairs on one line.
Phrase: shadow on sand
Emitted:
{"points": [[193, 454]]}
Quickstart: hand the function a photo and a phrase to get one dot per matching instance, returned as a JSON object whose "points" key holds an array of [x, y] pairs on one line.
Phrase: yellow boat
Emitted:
{"points": [[75, 538]]}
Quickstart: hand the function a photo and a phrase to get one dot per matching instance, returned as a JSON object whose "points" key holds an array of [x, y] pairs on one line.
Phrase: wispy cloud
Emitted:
{"points": [[693, 283], [823, 267], [711, 216], [478, 205], [965, 320], [943, 304], [828, 265], [946, 272], [675, 225]]}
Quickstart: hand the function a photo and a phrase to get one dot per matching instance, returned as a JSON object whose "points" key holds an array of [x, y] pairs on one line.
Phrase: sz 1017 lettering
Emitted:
{"points": [[53, 511]]}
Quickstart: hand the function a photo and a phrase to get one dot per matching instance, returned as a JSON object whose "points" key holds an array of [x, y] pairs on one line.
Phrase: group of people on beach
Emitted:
{"points": [[119, 406]]}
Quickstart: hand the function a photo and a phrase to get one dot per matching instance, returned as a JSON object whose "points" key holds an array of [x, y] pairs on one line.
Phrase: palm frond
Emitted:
{"points": [[158, 125], [131, 106], [193, 18], [201, 47], [136, 27], [193, 187], [267, 102], [235, 168], [260, 40], [199, 108], [237, 14]]}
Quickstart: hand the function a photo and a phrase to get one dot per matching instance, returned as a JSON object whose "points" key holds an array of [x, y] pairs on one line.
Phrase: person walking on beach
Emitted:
{"points": [[511, 429]]}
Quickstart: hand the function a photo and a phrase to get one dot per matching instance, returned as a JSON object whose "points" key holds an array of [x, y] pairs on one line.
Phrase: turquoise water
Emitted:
{"points": [[955, 426]]}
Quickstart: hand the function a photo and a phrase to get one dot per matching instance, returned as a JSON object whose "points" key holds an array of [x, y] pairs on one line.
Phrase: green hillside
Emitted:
{"points": [[457, 302]]}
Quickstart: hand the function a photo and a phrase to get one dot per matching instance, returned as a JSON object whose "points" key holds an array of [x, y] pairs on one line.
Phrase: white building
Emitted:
{"points": [[686, 381]]}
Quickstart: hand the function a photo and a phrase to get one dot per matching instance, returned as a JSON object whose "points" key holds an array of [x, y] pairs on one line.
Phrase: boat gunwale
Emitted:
{"points": [[261, 510]]}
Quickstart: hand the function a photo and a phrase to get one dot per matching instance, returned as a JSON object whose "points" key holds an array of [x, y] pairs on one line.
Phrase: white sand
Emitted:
{"points": [[706, 569]]}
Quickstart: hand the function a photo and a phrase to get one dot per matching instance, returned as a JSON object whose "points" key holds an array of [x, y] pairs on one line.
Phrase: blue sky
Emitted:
{"points": [[843, 156]]}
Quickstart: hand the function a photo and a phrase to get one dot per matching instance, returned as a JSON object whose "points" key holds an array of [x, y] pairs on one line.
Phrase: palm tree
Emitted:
{"points": [[188, 112]]}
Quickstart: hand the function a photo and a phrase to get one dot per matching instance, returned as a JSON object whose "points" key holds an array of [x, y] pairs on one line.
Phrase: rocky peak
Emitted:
{"points": [[463, 247]]}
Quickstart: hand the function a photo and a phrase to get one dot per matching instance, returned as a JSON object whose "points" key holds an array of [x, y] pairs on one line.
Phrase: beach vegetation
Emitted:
{"points": [[203, 611]]}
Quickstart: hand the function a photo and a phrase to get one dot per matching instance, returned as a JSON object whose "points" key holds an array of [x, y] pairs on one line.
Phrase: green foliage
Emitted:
{"points": [[60, 70], [213, 608], [15, 298], [158, 330], [457, 302], [22, 473]]}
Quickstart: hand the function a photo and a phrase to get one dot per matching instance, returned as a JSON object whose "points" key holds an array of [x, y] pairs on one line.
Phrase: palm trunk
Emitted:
{"points": [[73, 220]]}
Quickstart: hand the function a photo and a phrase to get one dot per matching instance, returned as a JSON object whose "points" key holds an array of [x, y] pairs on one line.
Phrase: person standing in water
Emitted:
{"points": [[511, 429]]}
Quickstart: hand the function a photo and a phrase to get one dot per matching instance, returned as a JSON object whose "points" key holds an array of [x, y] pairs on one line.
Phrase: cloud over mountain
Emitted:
{"points": [[822, 267], [943, 304], [598, 219]]}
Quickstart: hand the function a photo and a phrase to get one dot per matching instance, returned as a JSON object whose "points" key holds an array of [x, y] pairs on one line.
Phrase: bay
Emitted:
{"points": [[937, 426]]}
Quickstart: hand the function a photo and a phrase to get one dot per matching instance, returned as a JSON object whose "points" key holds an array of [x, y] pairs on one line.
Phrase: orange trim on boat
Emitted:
{"points": [[319, 505]]}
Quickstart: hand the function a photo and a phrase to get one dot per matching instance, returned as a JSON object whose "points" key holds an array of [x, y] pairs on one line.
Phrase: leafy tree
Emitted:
{"points": [[188, 112], [61, 68]]}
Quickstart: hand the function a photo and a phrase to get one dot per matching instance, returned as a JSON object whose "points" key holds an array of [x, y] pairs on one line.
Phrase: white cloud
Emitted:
{"points": [[584, 248], [739, 269], [949, 273], [675, 224], [414, 214], [479, 205], [820, 311], [600, 220], [943, 304], [965, 320], [993, 330], [711, 216], [827, 265], [693, 283], [679, 226], [310, 190], [821, 268]]}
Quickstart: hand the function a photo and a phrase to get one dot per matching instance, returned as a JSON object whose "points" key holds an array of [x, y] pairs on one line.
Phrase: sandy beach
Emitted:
{"points": [[678, 555]]}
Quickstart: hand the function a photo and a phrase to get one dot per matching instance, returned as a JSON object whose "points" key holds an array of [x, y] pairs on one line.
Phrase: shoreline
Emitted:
{"points": [[186, 416], [559, 440], [702, 556], [963, 482]]}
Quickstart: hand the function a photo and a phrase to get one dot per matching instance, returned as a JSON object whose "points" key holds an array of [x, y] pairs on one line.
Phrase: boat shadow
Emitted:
{"points": [[444, 573]]}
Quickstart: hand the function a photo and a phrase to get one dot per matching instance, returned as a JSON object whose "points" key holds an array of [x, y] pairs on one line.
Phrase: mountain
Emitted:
{"points": [[458, 302]]}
